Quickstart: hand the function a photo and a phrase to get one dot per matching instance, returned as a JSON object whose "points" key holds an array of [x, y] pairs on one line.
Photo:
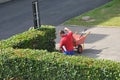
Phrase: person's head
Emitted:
{"points": [[61, 33]]}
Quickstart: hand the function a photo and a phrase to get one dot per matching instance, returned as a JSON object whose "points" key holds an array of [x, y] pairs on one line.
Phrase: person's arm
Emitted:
{"points": [[68, 30]]}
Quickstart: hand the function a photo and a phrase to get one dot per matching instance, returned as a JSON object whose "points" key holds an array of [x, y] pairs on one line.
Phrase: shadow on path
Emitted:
{"points": [[92, 53], [91, 38], [95, 37]]}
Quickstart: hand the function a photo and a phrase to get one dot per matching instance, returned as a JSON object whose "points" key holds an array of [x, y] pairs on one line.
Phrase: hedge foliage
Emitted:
{"points": [[41, 38], [22, 59], [28, 64]]}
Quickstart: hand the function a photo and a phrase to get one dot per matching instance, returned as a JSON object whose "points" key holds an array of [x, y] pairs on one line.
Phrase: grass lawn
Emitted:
{"points": [[106, 15]]}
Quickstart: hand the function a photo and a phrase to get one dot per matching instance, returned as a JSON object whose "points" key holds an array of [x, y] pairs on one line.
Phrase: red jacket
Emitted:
{"points": [[67, 41]]}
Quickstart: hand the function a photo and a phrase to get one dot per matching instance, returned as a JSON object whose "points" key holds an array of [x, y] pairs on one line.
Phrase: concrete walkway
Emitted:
{"points": [[102, 43]]}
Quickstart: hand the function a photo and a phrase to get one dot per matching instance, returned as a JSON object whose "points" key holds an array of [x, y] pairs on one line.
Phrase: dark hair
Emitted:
{"points": [[62, 32]]}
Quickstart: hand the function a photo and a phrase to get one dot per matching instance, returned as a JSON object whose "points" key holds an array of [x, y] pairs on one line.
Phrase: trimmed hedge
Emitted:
{"points": [[41, 38], [21, 59], [27, 64]]}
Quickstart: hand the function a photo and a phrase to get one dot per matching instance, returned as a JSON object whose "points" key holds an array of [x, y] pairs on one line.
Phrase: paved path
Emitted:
{"points": [[16, 16], [102, 43]]}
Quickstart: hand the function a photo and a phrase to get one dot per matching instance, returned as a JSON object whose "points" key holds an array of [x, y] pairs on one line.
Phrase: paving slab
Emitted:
{"points": [[102, 43]]}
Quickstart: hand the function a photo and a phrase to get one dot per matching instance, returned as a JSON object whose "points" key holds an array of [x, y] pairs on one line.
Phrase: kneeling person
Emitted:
{"points": [[66, 42]]}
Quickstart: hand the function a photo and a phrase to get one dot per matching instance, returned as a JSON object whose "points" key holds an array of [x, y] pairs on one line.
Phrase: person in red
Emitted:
{"points": [[66, 42]]}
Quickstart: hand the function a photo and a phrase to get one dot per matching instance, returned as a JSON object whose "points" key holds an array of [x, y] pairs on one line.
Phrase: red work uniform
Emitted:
{"points": [[67, 41]]}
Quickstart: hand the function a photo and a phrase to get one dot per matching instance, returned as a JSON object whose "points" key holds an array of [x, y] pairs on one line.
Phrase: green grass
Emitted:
{"points": [[106, 15]]}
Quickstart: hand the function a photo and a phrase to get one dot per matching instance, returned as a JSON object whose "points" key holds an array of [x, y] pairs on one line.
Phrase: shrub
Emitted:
{"points": [[27, 64], [42, 38], [19, 63]]}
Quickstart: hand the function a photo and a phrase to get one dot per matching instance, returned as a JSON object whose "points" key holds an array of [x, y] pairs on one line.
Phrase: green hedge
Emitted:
{"points": [[41, 38], [28, 64], [21, 59]]}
